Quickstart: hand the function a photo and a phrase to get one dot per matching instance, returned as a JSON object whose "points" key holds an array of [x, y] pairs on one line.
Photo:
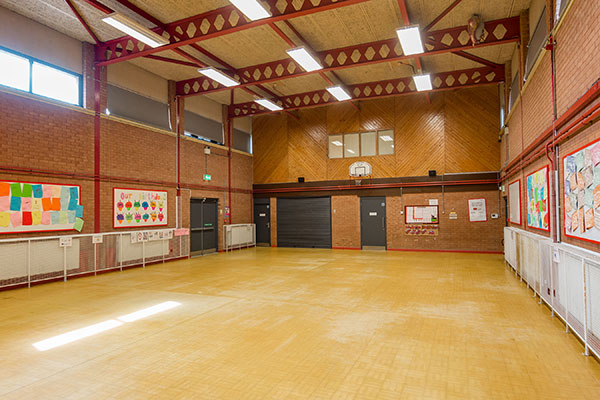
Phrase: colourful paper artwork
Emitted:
{"points": [[538, 215], [581, 178], [37, 207], [139, 208]]}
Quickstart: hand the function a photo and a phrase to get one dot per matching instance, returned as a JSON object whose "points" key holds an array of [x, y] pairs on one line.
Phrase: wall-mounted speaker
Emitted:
{"points": [[432, 172], [300, 179]]}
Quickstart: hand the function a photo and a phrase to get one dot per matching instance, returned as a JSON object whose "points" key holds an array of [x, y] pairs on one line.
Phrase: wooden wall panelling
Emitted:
{"points": [[270, 146], [419, 135], [472, 126], [342, 118], [308, 145]]}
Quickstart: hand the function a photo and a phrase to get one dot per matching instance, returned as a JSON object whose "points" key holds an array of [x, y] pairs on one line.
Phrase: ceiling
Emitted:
{"points": [[350, 25]]}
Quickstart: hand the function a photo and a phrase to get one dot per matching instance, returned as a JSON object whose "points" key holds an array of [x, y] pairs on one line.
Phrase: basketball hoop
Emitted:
{"points": [[358, 171]]}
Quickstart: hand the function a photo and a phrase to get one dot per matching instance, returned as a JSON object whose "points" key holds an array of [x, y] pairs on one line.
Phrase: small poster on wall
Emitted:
{"points": [[514, 202], [477, 210], [39, 207], [134, 208], [538, 216], [581, 174]]}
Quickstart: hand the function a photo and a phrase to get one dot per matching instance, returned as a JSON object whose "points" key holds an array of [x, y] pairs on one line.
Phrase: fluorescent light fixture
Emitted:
{"points": [[339, 93], [386, 138], [146, 312], [218, 76], [251, 9], [410, 40], [422, 82], [337, 143], [136, 30], [268, 104], [305, 59], [75, 335]]}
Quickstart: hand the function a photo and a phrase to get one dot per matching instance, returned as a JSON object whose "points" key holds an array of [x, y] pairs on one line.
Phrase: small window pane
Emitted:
{"points": [[14, 71], [368, 144], [336, 146], [56, 84], [386, 142], [351, 148]]}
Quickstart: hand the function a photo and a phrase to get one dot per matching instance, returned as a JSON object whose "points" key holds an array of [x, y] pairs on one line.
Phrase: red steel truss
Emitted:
{"points": [[211, 24], [436, 42], [393, 87]]}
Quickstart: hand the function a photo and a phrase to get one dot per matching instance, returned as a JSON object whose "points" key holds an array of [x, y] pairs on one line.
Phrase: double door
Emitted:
{"points": [[204, 229]]}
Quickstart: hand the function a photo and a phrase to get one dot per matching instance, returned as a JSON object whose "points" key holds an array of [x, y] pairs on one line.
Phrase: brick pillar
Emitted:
{"points": [[524, 28]]}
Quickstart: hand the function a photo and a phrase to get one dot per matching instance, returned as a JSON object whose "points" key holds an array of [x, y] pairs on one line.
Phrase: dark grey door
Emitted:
{"points": [[372, 222], [262, 219], [203, 225], [304, 222]]}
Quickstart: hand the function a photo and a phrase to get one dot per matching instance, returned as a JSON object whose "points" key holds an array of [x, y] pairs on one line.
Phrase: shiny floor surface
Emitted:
{"points": [[294, 324]]}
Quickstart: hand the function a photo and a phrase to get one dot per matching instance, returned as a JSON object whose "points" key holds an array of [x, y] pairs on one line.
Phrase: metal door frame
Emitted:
{"points": [[202, 229]]}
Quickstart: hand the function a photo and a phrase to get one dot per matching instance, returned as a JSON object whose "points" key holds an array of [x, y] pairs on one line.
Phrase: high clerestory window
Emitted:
{"points": [[364, 144], [28, 74]]}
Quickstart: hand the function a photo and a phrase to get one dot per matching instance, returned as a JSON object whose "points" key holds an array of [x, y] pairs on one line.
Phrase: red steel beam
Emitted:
{"points": [[171, 60], [437, 42], [441, 16], [83, 21], [393, 87], [477, 59], [212, 24]]}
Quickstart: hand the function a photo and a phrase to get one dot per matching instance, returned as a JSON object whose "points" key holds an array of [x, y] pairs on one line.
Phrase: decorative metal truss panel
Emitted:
{"points": [[436, 42], [393, 87], [211, 24]]}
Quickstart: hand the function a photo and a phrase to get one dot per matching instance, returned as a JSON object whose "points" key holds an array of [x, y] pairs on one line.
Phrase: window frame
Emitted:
{"points": [[32, 60], [360, 152]]}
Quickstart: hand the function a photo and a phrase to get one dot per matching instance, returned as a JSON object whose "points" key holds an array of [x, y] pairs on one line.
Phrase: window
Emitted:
{"points": [[514, 92], [368, 144], [386, 142], [28, 74], [14, 71], [536, 43], [336, 146], [364, 144], [204, 128], [351, 147], [135, 107]]}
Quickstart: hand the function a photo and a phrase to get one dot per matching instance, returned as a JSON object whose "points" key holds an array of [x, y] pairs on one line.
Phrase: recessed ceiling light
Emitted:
{"points": [[337, 143], [305, 59], [218, 76], [268, 104], [132, 28], [410, 40], [339, 93], [423, 82], [386, 138], [251, 9]]}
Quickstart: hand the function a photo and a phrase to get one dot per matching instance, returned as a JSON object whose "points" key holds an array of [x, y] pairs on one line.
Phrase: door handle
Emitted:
{"points": [[269, 225]]}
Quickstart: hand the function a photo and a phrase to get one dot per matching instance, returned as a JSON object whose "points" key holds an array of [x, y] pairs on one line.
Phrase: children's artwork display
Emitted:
{"points": [[538, 215], [139, 208], [477, 210], [581, 174], [514, 202], [39, 207]]}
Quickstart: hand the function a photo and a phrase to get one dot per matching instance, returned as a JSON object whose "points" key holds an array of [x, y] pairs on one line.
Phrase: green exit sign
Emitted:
{"points": [[207, 177]]}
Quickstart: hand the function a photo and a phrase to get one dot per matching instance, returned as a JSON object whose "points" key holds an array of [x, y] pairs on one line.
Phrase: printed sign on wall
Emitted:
{"points": [[39, 207], [477, 210], [538, 215], [582, 193], [139, 208]]}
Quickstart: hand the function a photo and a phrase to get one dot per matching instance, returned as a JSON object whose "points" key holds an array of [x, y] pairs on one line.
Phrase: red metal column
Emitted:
{"points": [[97, 88]]}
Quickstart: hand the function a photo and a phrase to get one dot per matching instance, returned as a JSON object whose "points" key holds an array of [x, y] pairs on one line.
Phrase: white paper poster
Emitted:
{"points": [[477, 210], [514, 202]]}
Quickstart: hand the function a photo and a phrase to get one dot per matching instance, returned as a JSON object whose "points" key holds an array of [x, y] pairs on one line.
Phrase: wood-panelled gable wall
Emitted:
{"points": [[456, 132]]}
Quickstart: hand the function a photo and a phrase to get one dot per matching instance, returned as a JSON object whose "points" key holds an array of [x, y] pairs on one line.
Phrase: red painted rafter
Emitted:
{"points": [[211, 24], [441, 16], [393, 87], [437, 42], [83, 21], [171, 60]]}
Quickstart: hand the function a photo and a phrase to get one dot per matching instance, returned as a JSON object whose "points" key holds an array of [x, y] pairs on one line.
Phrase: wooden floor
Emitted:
{"points": [[295, 324]]}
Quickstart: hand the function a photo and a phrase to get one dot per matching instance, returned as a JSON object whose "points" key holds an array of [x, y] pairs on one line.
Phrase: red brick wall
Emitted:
{"points": [[345, 222], [43, 136], [577, 66]]}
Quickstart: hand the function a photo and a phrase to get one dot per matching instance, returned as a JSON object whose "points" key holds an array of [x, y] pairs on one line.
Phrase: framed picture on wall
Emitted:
{"points": [[514, 202], [581, 193], [538, 213], [133, 208], [477, 210]]}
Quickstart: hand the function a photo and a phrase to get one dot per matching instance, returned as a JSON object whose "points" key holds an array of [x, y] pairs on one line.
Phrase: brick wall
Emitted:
{"points": [[345, 222], [577, 66], [41, 135]]}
